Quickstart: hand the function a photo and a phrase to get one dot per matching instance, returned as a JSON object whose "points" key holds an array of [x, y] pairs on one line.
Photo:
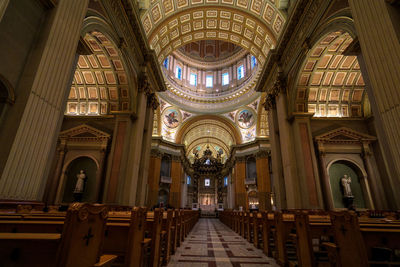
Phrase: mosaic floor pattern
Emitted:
{"points": [[212, 244]]}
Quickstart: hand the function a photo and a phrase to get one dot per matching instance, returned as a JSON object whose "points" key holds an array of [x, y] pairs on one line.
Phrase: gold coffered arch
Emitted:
{"points": [[330, 83], [252, 24], [100, 85], [205, 120]]}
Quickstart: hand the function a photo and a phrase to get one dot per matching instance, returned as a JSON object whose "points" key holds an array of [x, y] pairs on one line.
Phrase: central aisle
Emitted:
{"points": [[212, 244]]}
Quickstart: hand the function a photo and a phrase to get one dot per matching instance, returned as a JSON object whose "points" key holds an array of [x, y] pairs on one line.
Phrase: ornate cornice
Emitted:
{"points": [[155, 153], [176, 158], [270, 102], [84, 133], [152, 101], [344, 136], [240, 159], [278, 87]]}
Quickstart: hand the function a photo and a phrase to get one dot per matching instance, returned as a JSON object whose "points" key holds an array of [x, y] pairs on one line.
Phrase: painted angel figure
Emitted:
{"points": [[171, 118], [246, 118]]}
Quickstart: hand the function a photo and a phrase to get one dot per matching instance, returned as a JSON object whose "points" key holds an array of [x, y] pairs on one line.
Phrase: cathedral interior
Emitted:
{"points": [[204, 105]]}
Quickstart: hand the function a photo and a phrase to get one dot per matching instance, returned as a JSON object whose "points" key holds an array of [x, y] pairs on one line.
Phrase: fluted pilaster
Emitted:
{"points": [[27, 167], [381, 59]]}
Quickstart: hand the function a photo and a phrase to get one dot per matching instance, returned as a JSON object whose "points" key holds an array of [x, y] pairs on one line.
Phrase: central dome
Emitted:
{"points": [[210, 76]]}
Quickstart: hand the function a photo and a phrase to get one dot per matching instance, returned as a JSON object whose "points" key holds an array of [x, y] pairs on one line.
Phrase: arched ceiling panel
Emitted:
{"points": [[100, 84], [330, 83]]}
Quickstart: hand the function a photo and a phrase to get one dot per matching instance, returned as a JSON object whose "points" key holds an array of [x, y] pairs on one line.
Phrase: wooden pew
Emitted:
{"points": [[153, 231], [79, 244], [126, 239], [118, 232], [166, 242], [370, 242]]}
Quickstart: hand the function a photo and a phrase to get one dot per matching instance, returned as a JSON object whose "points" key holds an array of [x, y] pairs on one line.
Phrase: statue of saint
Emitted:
{"points": [[80, 183], [346, 182]]}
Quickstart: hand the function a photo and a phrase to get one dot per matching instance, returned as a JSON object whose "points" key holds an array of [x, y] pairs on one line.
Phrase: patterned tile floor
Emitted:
{"points": [[212, 244]]}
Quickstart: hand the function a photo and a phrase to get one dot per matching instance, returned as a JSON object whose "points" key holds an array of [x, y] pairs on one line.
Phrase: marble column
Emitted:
{"points": [[231, 193], [3, 7], [240, 188], [276, 156], [27, 167], [116, 158], [100, 172], [289, 161], [176, 176], [130, 176], [153, 178], [374, 178], [263, 181], [307, 167], [378, 36], [50, 197], [326, 185], [142, 191], [184, 191]]}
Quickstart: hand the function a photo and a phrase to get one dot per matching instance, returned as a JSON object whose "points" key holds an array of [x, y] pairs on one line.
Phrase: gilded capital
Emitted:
{"points": [[152, 101]]}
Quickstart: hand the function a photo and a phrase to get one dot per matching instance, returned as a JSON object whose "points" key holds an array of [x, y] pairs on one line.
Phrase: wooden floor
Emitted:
{"points": [[212, 244]]}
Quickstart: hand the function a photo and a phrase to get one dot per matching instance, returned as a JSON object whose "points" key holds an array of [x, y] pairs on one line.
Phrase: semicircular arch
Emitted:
{"points": [[329, 82], [219, 120]]}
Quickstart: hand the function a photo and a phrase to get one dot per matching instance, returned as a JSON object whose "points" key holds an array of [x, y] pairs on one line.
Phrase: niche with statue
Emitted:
{"points": [[345, 181], [80, 182]]}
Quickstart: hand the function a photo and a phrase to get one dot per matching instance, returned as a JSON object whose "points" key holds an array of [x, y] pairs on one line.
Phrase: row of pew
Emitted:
{"points": [[92, 235], [321, 238]]}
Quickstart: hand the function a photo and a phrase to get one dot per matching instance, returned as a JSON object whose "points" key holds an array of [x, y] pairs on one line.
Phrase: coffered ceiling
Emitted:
{"points": [[252, 24], [330, 83]]}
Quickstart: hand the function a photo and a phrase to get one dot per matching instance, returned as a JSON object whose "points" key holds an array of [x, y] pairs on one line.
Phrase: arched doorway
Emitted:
{"points": [[89, 167], [337, 171]]}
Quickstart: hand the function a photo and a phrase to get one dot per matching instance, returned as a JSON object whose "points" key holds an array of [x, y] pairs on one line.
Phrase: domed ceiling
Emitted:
{"points": [[210, 76], [211, 53]]}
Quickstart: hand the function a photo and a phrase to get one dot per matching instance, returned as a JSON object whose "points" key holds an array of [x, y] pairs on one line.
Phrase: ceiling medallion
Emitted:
{"points": [[245, 118], [171, 117]]}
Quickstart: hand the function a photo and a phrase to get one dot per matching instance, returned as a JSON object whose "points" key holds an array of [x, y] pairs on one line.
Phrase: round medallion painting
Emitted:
{"points": [[245, 118], [171, 117]]}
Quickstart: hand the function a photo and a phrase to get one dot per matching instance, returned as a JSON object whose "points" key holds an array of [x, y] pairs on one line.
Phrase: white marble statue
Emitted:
{"points": [[80, 183], [346, 182]]}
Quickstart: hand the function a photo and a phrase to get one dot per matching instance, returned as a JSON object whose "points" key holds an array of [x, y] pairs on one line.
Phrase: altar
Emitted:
{"points": [[208, 189]]}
